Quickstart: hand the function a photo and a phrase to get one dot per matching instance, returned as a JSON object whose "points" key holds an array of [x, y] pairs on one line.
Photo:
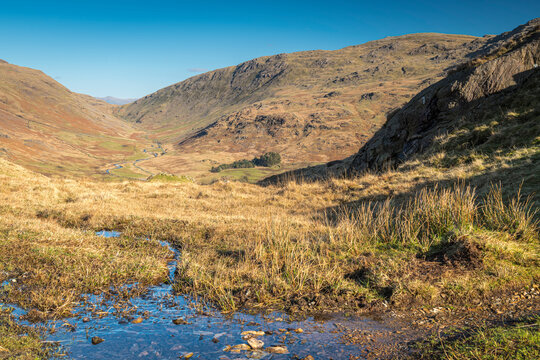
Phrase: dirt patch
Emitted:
{"points": [[457, 252]]}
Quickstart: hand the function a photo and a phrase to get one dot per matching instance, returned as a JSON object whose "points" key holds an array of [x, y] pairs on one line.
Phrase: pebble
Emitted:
{"points": [[97, 340], [241, 347], [137, 320], [85, 319], [180, 321], [255, 343], [252, 333], [277, 349]]}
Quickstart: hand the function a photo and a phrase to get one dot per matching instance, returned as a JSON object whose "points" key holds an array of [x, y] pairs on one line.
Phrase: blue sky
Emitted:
{"points": [[132, 48]]}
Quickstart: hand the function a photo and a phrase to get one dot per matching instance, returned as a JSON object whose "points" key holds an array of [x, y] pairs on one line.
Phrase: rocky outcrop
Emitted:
{"points": [[504, 63]]}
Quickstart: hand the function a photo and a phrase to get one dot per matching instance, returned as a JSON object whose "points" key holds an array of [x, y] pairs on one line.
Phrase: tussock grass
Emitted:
{"points": [[516, 217]]}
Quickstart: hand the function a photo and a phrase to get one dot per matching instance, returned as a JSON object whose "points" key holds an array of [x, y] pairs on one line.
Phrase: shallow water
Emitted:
{"points": [[206, 335]]}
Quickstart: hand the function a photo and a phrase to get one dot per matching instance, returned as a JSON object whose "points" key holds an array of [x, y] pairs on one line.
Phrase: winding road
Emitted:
{"points": [[120, 165]]}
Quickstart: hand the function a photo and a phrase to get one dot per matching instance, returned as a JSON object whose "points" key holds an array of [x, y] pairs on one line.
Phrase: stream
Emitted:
{"points": [[203, 332]]}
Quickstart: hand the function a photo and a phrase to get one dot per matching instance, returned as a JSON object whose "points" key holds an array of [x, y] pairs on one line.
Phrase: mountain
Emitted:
{"points": [[48, 128], [116, 101], [508, 62], [311, 106], [481, 123]]}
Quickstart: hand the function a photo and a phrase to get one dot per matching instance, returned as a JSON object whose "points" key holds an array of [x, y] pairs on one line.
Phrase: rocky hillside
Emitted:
{"points": [[508, 62], [484, 115], [311, 106], [46, 127]]}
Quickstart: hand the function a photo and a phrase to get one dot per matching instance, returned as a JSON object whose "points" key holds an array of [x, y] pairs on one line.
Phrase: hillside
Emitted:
{"points": [[495, 79], [311, 106], [48, 128], [480, 124]]}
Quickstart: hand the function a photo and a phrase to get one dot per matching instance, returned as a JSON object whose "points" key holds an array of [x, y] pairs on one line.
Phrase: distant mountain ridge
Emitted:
{"points": [[116, 101], [312, 107]]}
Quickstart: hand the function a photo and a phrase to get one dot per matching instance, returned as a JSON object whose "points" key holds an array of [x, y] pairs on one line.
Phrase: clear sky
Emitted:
{"points": [[132, 48]]}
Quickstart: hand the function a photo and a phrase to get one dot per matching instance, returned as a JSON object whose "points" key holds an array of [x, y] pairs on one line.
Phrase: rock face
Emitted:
{"points": [[501, 66]]}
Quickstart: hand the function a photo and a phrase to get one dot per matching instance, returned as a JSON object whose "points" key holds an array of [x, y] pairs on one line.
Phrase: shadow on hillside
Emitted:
{"points": [[521, 177]]}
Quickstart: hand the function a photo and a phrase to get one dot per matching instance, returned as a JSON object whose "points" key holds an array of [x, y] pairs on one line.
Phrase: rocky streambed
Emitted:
{"points": [[163, 325]]}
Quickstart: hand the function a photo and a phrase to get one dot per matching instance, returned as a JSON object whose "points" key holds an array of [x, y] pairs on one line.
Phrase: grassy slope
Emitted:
{"points": [[302, 246], [48, 128]]}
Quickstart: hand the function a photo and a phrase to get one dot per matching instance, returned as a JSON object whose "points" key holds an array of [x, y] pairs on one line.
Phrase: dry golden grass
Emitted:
{"points": [[296, 246], [52, 264]]}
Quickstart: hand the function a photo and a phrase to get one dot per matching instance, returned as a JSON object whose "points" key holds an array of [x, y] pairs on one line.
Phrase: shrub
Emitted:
{"points": [[240, 164], [269, 159], [266, 160]]}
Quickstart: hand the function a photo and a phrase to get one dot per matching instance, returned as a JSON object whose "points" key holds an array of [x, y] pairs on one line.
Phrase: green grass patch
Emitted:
{"points": [[169, 178], [250, 175], [520, 341]]}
